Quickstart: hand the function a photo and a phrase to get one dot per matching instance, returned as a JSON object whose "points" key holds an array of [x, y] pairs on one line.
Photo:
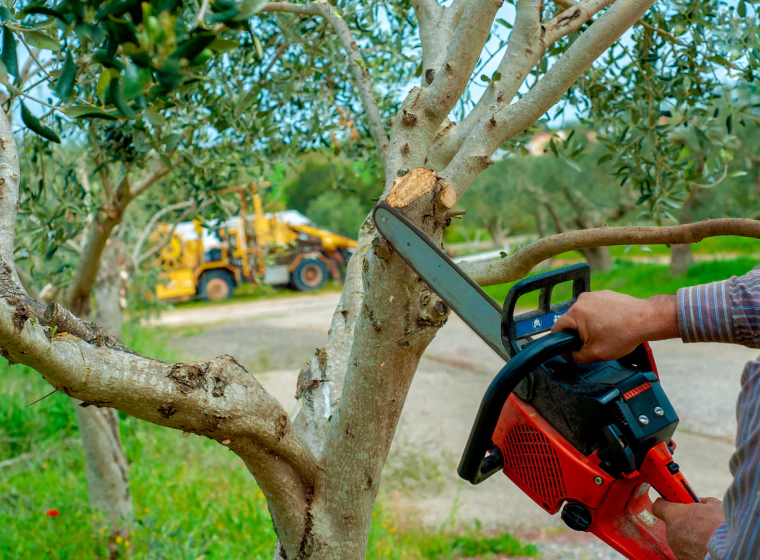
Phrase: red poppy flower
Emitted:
{"points": [[52, 512]]}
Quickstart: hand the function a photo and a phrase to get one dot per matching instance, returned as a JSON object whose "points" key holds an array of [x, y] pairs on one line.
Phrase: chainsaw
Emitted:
{"points": [[587, 441]]}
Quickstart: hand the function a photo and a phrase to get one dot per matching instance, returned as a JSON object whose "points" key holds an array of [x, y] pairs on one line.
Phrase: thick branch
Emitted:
{"points": [[9, 181], [528, 42], [436, 24], [218, 399], [506, 121], [523, 261], [414, 127], [356, 64]]}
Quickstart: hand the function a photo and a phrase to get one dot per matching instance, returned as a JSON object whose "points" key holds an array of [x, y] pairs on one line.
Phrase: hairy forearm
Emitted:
{"points": [[663, 321]]}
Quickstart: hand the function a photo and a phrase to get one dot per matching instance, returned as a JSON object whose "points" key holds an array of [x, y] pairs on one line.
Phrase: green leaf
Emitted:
{"points": [[643, 198], [223, 16], [136, 79], [220, 45], [571, 163], [504, 22], [34, 124], [42, 10], [41, 40], [684, 154], [249, 9], [605, 158], [8, 56], [89, 112], [741, 9], [103, 82], [729, 124], [119, 100], [194, 46], [166, 161], [738, 174], [64, 87], [154, 118], [259, 50], [171, 142]]}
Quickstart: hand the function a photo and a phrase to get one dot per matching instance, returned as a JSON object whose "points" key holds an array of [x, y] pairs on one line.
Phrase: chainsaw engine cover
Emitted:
{"points": [[616, 409]]}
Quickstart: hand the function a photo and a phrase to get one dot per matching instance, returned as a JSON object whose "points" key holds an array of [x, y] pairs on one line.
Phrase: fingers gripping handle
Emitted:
{"points": [[625, 520], [516, 328], [480, 442]]}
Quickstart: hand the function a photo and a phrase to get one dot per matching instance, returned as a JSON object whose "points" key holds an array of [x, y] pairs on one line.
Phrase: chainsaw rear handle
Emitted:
{"points": [[514, 329], [473, 466]]}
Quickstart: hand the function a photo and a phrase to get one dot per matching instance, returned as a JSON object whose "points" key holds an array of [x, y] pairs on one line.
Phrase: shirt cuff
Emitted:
{"points": [[704, 313]]}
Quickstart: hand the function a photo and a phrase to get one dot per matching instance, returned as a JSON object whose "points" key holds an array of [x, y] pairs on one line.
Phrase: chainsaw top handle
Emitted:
{"points": [[517, 331], [475, 466]]}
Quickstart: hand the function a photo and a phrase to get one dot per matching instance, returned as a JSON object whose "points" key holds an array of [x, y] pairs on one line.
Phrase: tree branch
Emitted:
{"points": [[506, 121], [137, 256], [157, 171], [523, 261], [356, 63], [571, 20], [414, 127], [528, 42], [436, 25]]}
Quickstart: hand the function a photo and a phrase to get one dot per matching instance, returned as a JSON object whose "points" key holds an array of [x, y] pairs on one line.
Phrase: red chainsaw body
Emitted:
{"points": [[553, 473]]}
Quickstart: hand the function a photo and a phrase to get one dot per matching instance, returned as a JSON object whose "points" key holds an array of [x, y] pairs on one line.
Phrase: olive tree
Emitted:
{"points": [[320, 467]]}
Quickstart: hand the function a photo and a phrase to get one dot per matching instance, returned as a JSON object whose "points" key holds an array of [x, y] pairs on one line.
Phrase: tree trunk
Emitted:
{"points": [[107, 467], [680, 259], [680, 255], [598, 258]]}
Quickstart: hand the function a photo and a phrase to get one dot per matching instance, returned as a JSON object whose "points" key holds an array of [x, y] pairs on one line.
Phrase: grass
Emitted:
{"points": [[193, 499], [641, 280]]}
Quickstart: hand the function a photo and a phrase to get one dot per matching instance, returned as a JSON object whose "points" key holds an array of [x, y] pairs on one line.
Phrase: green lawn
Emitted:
{"points": [[193, 498]]}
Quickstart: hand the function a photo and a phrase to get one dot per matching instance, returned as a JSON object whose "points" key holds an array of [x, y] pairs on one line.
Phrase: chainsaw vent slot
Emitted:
{"points": [[531, 457]]}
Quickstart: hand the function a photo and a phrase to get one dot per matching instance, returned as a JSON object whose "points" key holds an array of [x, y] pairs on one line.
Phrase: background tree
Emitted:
{"points": [[320, 471]]}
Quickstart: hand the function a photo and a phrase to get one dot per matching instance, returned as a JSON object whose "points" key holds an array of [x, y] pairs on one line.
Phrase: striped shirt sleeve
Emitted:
{"points": [[727, 311], [739, 537]]}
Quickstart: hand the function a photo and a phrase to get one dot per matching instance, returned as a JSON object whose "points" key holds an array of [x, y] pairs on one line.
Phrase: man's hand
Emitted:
{"points": [[689, 527], [611, 325]]}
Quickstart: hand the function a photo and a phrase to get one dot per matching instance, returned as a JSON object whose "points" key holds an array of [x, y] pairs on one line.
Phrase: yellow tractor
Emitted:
{"points": [[208, 262]]}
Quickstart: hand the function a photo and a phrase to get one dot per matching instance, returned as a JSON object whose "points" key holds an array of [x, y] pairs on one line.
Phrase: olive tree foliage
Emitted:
{"points": [[320, 468]]}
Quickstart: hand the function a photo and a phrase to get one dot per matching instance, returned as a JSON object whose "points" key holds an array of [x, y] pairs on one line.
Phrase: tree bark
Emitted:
{"points": [[107, 466], [680, 259], [680, 254], [598, 258]]}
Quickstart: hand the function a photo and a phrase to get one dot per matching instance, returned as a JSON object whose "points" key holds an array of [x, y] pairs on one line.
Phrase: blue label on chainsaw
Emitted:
{"points": [[538, 324]]}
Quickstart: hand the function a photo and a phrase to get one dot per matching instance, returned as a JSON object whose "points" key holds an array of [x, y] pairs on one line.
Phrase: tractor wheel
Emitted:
{"points": [[310, 274], [216, 285]]}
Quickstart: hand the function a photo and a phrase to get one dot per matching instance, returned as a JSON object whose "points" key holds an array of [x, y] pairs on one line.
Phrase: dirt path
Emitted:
{"points": [[275, 338]]}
